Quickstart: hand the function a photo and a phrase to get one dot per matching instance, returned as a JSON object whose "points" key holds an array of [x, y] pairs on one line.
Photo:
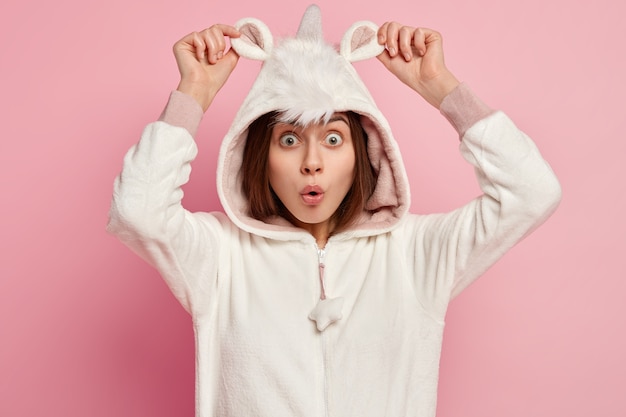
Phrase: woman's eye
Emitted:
{"points": [[288, 140], [334, 139]]}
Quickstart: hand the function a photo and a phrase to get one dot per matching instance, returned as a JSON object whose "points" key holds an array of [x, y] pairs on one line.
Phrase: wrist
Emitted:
{"points": [[182, 110], [463, 109], [198, 91], [435, 89]]}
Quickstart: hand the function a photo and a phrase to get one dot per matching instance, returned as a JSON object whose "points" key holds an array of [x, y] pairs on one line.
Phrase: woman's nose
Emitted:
{"points": [[312, 162]]}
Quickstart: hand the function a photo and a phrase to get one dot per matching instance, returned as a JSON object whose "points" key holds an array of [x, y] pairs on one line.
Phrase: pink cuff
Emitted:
{"points": [[463, 108], [182, 110]]}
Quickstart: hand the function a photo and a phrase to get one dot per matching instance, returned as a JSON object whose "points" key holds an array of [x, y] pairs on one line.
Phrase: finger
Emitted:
{"points": [[431, 36], [231, 32], [199, 46], [384, 58], [231, 57], [392, 38], [405, 42], [382, 33], [228, 30], [214, 41], [419, 41]]}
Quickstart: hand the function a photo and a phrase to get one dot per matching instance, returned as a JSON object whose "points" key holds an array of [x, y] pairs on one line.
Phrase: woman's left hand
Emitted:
{"points": [[415, 56]]}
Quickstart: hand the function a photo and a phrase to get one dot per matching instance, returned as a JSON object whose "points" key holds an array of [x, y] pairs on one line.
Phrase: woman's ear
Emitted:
{"points": [[361, 42], [256, 40]]}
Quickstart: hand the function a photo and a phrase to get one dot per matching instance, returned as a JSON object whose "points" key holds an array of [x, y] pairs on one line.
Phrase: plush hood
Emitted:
{"points": [[307, 80]]}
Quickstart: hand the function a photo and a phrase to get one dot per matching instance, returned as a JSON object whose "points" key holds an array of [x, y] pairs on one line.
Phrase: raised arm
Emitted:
{"points": [[146, 212], [520, 190]]}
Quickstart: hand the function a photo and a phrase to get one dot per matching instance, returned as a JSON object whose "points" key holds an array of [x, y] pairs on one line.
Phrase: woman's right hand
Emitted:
{"points": [[203, 65]]}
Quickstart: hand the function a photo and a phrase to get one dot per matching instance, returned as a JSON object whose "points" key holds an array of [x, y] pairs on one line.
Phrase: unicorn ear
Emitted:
{"points": [[256, 40], [360, 42]]}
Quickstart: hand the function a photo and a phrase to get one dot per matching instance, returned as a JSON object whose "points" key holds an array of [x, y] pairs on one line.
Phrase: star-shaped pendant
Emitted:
{"points": [[326, 312]]}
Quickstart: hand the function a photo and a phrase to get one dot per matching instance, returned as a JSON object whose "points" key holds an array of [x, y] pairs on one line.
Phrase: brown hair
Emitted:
{"points": [[264, 203]]}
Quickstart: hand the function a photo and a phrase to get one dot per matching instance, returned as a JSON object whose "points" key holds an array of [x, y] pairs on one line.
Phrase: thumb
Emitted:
{"points": [[385, 58], [230, 59]]}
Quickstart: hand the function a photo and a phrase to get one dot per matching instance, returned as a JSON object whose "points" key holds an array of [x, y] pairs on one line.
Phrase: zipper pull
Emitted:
{"points": [[328, 310]]}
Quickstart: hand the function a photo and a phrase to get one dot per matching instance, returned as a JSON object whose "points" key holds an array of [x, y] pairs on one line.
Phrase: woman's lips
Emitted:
{"points": [[312, 195]]}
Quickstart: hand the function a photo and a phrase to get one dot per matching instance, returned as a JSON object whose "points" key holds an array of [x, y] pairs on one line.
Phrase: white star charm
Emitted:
{"points": [[326, 312]]}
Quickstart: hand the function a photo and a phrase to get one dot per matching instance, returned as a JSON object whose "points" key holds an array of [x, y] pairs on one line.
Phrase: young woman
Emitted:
{"points": [[317, 293]]}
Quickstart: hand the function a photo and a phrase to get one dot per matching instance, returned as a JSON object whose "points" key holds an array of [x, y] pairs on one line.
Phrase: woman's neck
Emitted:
{"points": [[320, 231]]}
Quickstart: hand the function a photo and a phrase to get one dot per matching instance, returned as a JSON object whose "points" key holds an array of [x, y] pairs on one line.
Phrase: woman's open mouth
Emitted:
{"points": [[312, 195]]}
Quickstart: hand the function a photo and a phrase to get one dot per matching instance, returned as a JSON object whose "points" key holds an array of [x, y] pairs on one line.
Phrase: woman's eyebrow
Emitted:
{"points": [[338, 118]]}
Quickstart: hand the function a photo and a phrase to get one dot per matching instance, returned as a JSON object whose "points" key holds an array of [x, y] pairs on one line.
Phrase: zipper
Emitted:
{"points": [[321, 259], [325, 372], [321, 255]]}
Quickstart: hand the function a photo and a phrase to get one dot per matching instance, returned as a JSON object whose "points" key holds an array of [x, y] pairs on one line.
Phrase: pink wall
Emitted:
{"points": [[87, 329]]}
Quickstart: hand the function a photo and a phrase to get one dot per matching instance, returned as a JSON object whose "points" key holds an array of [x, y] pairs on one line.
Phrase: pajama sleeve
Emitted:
{"points": [[146, 211], [520, 191]]}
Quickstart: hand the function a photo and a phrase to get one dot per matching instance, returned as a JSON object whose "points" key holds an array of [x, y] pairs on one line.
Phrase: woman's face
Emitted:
{"points": [[311, 169]]}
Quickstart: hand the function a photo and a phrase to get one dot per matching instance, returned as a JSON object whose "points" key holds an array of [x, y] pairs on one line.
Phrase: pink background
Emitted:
{"points": [[88, 329]]}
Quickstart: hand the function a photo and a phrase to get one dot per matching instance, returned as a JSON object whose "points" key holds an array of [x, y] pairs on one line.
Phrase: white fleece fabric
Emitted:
{"points": [[250, 285]]}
